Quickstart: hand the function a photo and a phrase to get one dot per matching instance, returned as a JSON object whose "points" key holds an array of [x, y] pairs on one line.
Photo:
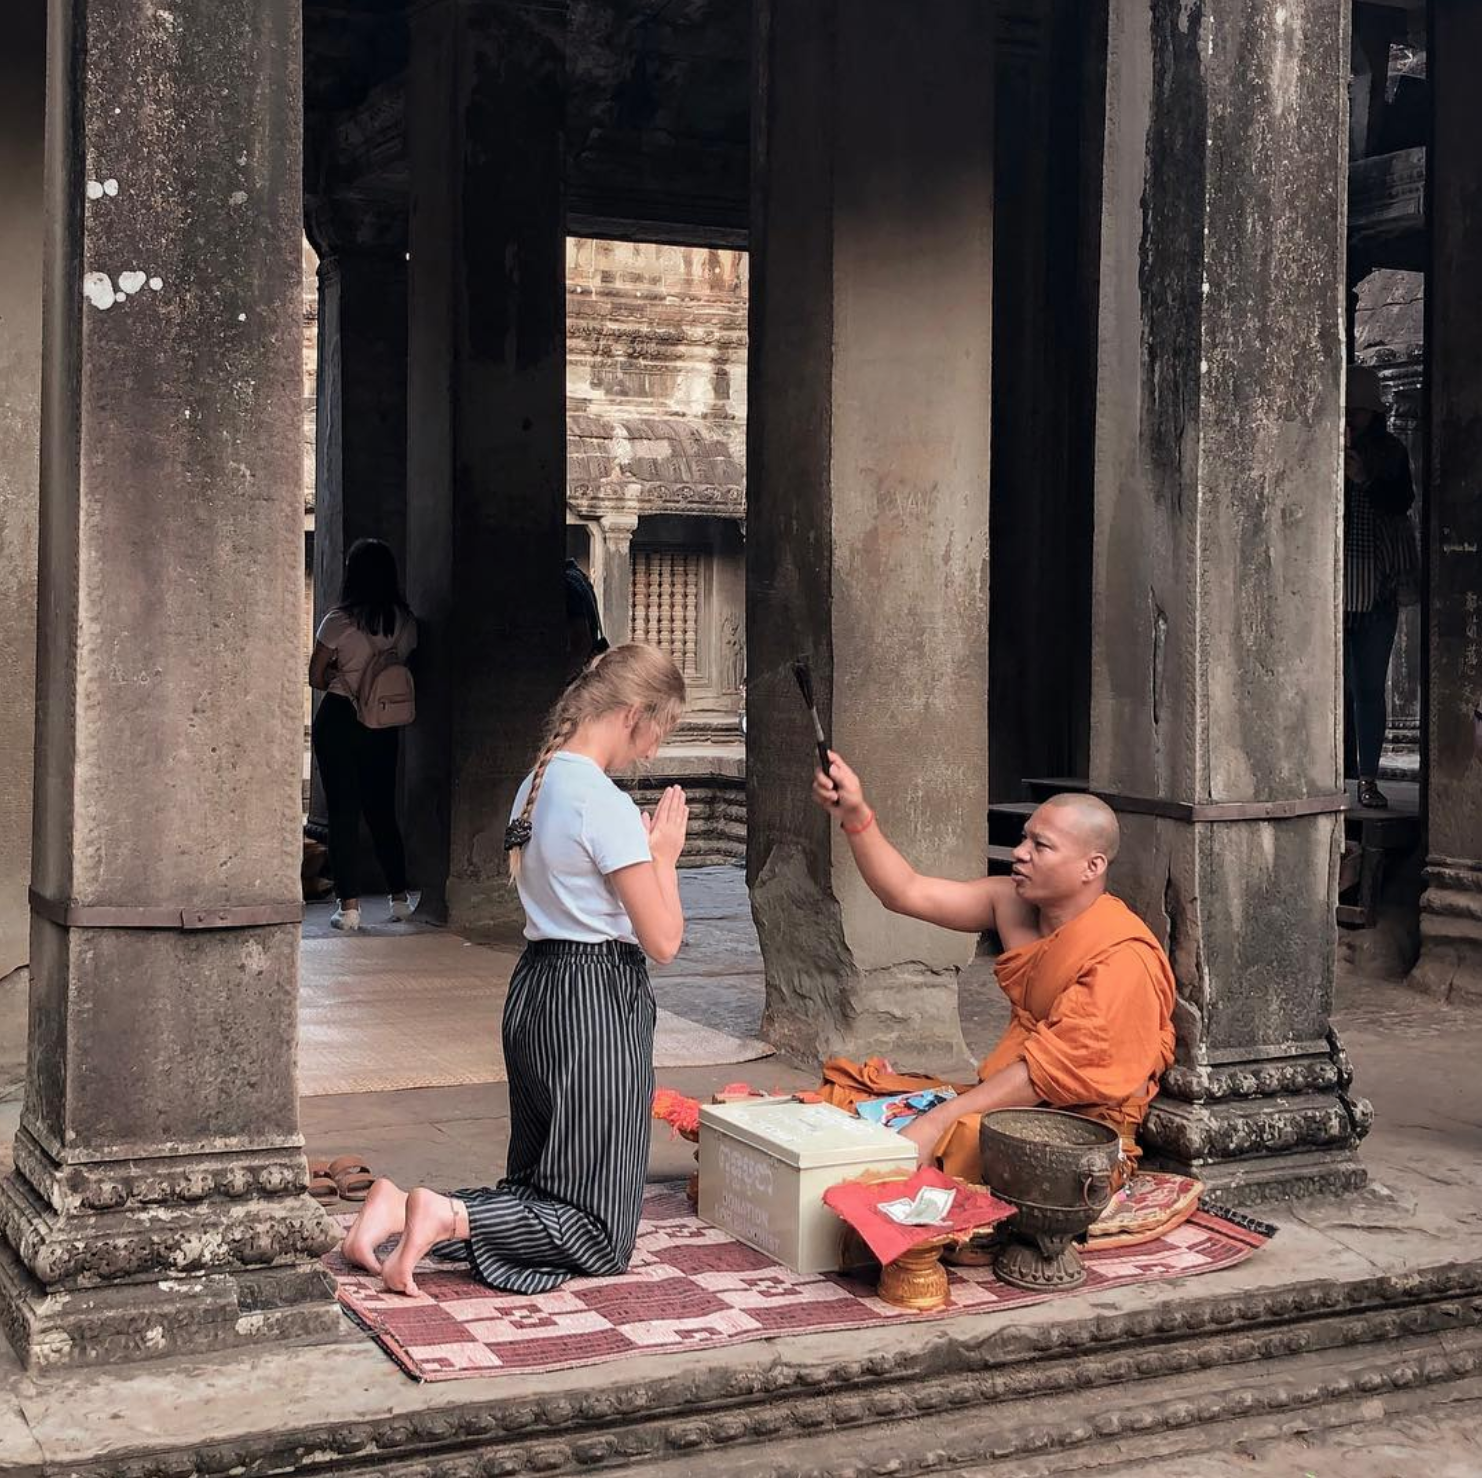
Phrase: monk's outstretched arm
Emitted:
{"points": [[966, 906], [1010, 1087]]}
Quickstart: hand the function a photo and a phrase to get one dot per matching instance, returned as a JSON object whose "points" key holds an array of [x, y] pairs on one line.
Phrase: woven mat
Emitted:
{"points": [[1152, 1201], [691, 1286], [422, 1010]]}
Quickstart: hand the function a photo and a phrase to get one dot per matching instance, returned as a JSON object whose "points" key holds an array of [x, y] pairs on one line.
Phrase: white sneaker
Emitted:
{"points": [[401, 909], [347, 919]]}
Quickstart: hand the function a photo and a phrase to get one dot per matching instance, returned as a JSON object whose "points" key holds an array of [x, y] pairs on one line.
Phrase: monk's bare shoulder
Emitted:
{"points": [[1014, 921]]}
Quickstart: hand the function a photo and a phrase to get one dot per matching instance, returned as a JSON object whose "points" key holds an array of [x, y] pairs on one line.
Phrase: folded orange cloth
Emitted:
{"points": [[846, 1083]]}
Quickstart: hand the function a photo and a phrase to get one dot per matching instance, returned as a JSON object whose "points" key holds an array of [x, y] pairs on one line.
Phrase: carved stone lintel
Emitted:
{"points": [[692, 335], [594, 499], [347, 225], [1386, 200]]}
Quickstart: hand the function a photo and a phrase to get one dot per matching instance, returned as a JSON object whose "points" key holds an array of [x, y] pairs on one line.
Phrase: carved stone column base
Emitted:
{"points": [[1262, 1131], [172, 1316], [1262, 1179], [117, 1260], [1450, 963]]}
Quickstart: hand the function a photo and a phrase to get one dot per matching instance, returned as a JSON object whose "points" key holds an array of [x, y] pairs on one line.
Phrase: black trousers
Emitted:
{"points": [[579, 1046], [358, 768], [1368, 641]]}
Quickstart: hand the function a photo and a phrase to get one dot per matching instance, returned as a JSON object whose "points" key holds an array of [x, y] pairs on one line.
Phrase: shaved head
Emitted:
{"points": [[1069, 843], [1093, 821]]}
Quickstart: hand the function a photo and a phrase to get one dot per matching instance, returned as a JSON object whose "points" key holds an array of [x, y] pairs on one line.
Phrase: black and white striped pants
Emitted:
{"points": [[578, 1045]]}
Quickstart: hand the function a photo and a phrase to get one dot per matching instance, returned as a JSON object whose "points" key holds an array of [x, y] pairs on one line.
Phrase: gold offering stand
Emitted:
{"points": [[916, 1279]]}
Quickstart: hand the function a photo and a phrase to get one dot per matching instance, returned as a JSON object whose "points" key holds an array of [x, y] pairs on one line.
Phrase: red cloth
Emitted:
{"points": [[858, 1202]]}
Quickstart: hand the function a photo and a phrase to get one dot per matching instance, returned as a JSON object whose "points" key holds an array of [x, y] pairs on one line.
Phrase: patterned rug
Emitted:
{"points": [[691, 1286]]}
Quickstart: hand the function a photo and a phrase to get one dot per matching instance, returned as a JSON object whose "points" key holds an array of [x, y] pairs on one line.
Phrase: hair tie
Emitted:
{"points": [[516, 835]]}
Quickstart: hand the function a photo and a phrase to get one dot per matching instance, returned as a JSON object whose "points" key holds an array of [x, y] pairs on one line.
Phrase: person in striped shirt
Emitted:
{"points": [[598, 882]]}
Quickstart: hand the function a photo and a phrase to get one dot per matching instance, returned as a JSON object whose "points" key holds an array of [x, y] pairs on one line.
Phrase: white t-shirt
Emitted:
{"points": [[583, 828], [353, 648]]}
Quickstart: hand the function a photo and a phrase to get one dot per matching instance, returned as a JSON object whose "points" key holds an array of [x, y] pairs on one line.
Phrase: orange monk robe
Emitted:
{"points": [[1092, 1021]]}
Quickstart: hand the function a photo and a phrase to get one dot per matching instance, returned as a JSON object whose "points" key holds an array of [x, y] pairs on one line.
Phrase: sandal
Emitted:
{"points": [[352, 1179], [321, 1183]]}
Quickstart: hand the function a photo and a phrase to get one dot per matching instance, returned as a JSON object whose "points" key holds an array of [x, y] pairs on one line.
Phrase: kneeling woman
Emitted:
{"points": [[598, 883]]}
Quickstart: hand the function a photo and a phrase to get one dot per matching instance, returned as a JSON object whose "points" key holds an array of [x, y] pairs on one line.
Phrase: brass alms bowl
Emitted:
{"points": [[1057, 1171]]}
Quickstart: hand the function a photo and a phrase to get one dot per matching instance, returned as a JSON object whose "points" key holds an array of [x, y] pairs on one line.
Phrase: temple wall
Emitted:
{"points": [[658, 330]]}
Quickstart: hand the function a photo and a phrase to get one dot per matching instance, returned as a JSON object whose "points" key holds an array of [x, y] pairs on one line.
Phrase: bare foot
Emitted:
{"points": [[383, 1215], [430, 1218]]}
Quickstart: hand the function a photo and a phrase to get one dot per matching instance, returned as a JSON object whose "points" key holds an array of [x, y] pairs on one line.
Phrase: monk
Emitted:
{"points": [[1090, 987]]}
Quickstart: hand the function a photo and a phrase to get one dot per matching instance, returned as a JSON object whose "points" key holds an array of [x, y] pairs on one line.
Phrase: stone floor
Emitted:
{"points": [[1415, 1059]]}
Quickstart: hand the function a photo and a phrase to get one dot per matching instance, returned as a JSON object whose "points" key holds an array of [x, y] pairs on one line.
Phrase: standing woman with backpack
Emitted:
{"points": [[359, 664]]}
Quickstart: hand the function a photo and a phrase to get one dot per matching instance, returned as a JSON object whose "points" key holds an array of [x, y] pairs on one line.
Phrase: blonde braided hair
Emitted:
{"points": [[629, 676]]}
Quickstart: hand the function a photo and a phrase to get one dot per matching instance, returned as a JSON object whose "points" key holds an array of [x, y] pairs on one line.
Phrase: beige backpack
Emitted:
{"points": [[387, 696]]}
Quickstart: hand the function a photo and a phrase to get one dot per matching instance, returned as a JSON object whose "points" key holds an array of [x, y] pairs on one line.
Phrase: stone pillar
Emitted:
{"points": [[360, 474], [617, 574], [157, 1205], [1450, 964], [486, 450], [1215, 724], [1375, 29], [22, 101], [867, 513]]}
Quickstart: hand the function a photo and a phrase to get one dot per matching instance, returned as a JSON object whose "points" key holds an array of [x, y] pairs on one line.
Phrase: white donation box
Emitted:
{"points": [[766, 1162]]}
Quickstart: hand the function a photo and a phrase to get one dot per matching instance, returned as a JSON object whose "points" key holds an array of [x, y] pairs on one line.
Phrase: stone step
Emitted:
{"points": [[711, 857], [1184, 1415], [1155, 1375]]}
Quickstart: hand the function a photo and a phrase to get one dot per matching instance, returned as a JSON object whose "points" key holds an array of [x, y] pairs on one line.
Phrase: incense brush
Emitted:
{"points": [[804, 675]]}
